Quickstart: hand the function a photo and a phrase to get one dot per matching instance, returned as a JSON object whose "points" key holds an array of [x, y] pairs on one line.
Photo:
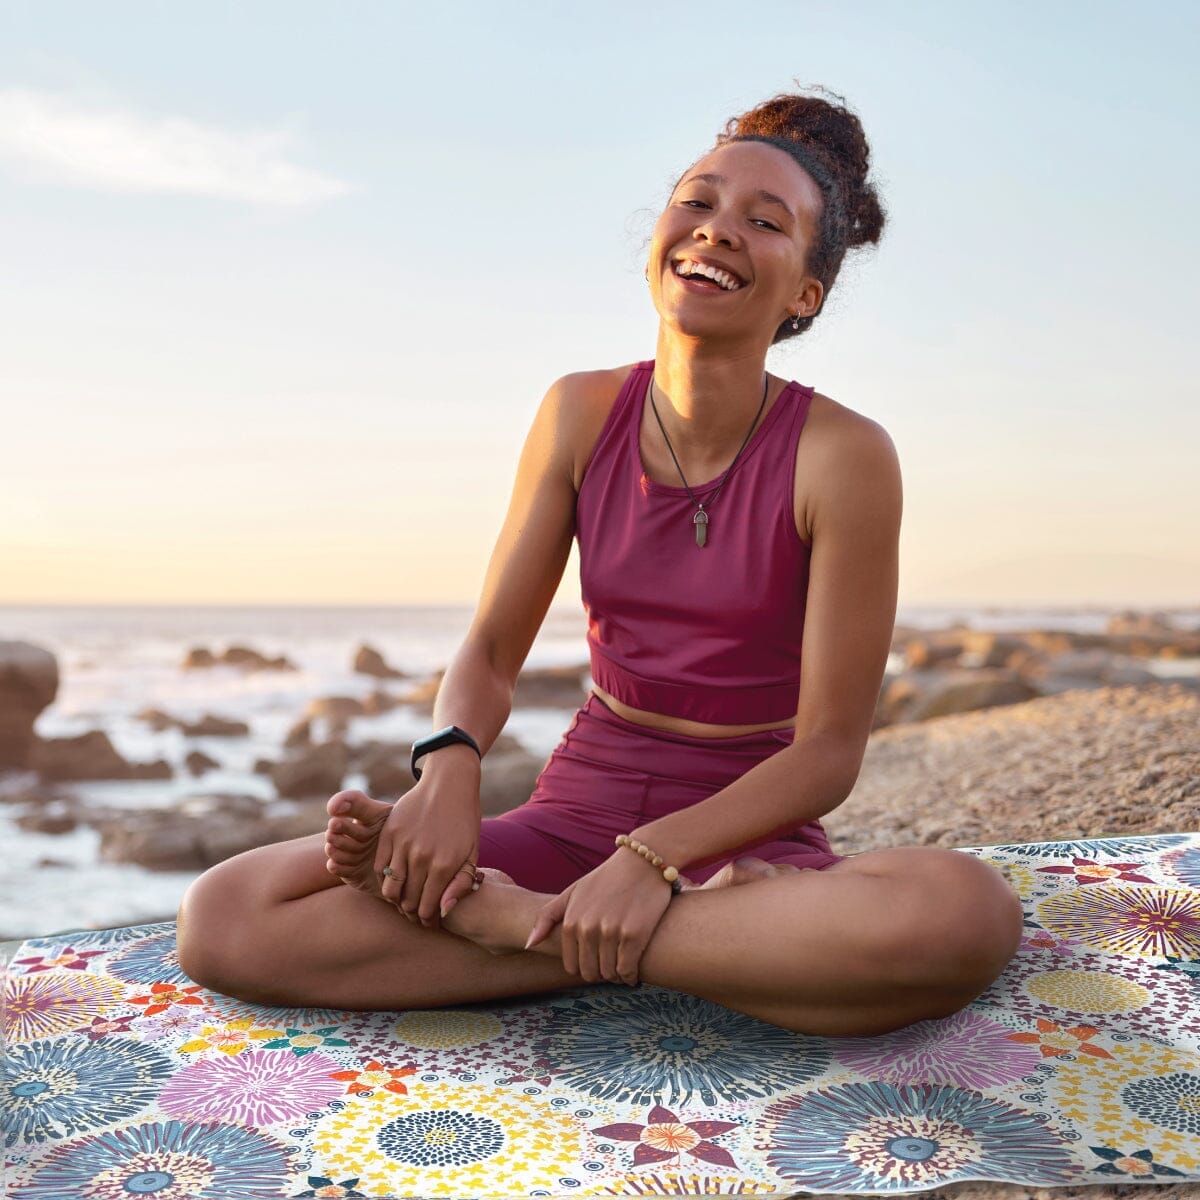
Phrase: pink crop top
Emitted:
{"points": [[709, 634]]}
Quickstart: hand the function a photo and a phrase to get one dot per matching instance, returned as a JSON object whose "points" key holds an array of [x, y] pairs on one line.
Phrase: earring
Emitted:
{"points": [[795, 321]]}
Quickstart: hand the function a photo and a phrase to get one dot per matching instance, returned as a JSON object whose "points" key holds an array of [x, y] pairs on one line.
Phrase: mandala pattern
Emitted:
{"points": [[873, 1136], [59, 1089], [167, 1160], [967, 1050], [1126, 919], [255, 1088], [674, 1048], [1079, 1064]]}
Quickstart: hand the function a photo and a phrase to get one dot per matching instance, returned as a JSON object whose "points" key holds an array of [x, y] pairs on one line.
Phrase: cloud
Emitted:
{"points": [[49, 138]]}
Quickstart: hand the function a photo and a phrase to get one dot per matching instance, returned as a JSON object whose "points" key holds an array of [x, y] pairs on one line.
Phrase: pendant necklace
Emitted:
{"points": [[700, 520]]}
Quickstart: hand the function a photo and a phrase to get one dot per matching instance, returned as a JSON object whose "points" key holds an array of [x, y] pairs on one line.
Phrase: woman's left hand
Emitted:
{"points": [[608, 917]]}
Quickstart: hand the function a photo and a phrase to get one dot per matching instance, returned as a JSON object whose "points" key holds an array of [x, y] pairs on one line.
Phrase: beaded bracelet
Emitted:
{"points": [[670, 874]]}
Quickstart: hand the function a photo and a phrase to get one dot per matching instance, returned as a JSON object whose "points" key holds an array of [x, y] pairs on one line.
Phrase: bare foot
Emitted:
{"points": [[499, 916], [741, 870], [351, 838]]}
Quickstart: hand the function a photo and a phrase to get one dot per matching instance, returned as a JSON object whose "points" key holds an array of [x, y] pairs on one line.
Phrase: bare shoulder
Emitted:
{"points": [[583, 401], [843, 452]]}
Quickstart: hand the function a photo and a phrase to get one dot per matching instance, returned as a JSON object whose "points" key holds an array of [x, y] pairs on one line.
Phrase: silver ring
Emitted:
{"points": [[387, 872]]}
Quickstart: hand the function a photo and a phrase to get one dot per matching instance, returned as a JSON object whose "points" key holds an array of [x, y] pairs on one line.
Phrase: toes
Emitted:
{"points": [[357, 806], [357, 832]]}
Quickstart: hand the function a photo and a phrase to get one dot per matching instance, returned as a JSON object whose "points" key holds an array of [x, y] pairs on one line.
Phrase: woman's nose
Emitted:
{"points": [[716, 231]]}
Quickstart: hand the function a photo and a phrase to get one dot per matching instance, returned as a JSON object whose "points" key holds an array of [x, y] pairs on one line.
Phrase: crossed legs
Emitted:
{"points": [[868, 945]]}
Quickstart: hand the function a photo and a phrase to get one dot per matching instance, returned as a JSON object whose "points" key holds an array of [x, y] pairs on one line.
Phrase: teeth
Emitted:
{"points": [[722, 278]]}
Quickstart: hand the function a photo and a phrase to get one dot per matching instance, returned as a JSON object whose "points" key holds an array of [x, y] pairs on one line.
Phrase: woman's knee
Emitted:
{"points": [[214, 915]]}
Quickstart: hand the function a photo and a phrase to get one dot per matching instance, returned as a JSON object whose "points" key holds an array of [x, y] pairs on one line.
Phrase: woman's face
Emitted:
{"points": [[751, 211]]}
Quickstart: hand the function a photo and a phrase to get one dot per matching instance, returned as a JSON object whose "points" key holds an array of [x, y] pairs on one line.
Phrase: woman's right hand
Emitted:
{"points": [[431, 833]]}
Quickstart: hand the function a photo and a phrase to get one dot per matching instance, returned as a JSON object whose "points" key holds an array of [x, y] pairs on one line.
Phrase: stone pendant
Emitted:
{"points": [[701, 523]]}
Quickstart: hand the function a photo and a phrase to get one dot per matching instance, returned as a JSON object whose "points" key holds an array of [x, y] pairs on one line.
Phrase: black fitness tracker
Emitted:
{"points": [[437, 741]]}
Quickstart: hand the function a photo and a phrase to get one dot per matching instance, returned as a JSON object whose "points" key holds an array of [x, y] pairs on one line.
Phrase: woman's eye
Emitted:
{"points": [[697, 203], [767, 224]]}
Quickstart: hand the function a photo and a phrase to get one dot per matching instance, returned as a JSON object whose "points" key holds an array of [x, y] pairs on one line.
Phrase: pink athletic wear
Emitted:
{"points": [[710, 634], [609, 775]]}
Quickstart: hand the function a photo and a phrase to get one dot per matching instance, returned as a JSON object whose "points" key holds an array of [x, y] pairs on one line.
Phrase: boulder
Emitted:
{"points": [[552, 687], [28, 684], [213, 726], [385, 765], [933, 650], [198, 762], [507, 780], [423, 695], [90, 756], [317, 771], [368, 661], [157, 719], [300, 734], [198, 658], [379, 702], [337, 709], [55, 818], [966, 691], [247, 659]]}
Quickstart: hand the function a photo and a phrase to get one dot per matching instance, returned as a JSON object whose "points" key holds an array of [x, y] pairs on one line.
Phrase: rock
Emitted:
{"points": [[507, 780], [198, 762], [198, 658], [90, 756], [423, 695], [551, 687], [1077, 765], [386, 768], [1137, 623], [157, 719], [251, 660], [56, 819], [337, 709], [28, 684], [983, 649], [317, 771], [242, 657], [964, 691], [1093, 668], [264, 766], [300, 734], [380, 702], [214, 726], [151, 839], [368, 661], [933, 650]]}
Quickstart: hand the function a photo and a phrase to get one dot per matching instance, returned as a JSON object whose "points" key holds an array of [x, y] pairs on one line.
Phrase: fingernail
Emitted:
{"points": [[529, 941], [448, 906]]}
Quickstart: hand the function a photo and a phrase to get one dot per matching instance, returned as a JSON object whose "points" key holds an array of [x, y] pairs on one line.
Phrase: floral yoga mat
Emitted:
{"points": [[1080, 1065]]}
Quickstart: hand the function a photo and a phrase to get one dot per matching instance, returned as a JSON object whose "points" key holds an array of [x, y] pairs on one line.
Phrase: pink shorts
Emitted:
{"points": [[610, 776]]}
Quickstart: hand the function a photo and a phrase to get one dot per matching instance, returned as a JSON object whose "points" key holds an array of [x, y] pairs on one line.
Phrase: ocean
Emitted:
{"points": [[116, 661]]}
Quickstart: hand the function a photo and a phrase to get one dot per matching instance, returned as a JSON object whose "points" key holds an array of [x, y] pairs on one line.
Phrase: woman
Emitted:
{"points": [[703, 740]]}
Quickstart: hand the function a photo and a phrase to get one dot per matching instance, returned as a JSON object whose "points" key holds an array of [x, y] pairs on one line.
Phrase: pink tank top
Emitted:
{"points": [[709, 634]]}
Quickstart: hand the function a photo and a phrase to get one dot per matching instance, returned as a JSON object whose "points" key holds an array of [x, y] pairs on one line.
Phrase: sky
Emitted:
{"points": [[285, 282]]}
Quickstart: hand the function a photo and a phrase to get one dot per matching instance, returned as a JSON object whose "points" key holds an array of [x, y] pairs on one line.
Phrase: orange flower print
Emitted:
{"points": [[231, 1038], [1087, 870], [1054, 1040], [166, 995], [373, 1077], [665, 1136]]}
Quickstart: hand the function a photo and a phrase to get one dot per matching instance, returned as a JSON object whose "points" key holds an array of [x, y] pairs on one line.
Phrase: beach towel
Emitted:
{"points": [[1079, 1065]]}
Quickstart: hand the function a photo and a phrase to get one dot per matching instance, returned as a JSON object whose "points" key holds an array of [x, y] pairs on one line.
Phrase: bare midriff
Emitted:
{"points": [[681, 725]]}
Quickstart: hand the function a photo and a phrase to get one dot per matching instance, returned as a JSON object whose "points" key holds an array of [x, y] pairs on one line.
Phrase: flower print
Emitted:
{"points": [[1139, 1163], [68, 959], [169, 1160], [374, 1076], [254, 1088], [166, 995], [1087, 870], [878, 1136], [55, 1089], [103, 1026], [965, 1049], [1125, 920], [168, 1024], [153, 959], [323, 1186], [1053, 1039], [231, 1038], [1185, 966], [665, 1136], [1045, 940], [305, 1041], [48, 1004]]}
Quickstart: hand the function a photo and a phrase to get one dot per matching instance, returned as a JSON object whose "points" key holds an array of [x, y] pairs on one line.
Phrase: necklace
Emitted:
{"points": [[700, 520]]}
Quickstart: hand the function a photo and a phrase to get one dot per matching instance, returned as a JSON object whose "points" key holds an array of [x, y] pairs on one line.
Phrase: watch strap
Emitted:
{"points": [[438, 741]]}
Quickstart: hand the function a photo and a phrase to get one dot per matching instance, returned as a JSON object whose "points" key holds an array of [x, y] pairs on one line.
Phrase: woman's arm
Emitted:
{"points": [[856, 502], [524, 571]]}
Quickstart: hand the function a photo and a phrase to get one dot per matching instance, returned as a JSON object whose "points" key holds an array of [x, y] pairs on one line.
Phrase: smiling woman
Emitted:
{"points": [[731, 526]]}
